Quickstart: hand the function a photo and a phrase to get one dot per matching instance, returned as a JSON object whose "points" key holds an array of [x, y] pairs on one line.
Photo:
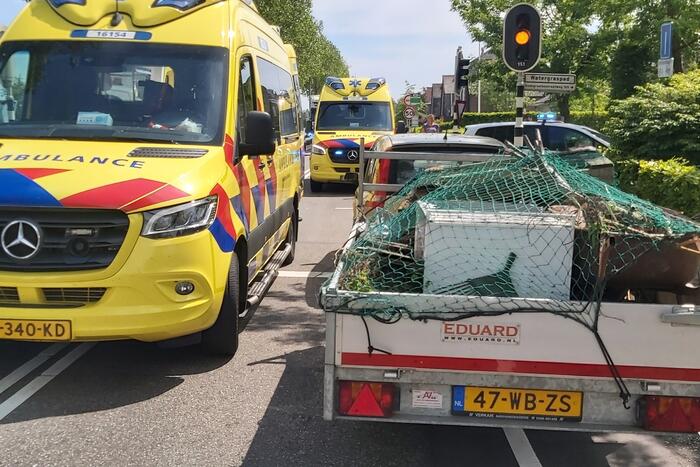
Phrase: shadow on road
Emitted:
{"points": [[292, 432], [141, 372], [330, 190]]}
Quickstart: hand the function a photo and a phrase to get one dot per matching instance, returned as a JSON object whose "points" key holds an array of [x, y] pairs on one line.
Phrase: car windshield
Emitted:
{"points": [[599, 135], [375, 116], [112, 91], [403, 171]]}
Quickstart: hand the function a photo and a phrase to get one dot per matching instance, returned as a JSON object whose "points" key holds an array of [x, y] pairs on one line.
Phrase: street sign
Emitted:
{"points": [[549, 78], [416, 99], [666, 50], [555, 83], [409, 113], [535, 94], [665, 67], [407, 99]]}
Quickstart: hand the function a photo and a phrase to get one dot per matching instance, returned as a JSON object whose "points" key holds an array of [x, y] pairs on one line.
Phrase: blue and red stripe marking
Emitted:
{"points": [[222, 228]]}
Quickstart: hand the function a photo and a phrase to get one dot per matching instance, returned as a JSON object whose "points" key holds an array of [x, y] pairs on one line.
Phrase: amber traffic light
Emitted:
{"points": [[522, 29]]}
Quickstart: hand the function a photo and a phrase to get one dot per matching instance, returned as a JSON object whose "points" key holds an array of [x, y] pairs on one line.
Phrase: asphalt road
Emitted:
{"points": [[131, 403]]}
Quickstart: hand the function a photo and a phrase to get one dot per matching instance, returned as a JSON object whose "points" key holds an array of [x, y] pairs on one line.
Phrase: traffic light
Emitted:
{"points": [[462, 73], [522, 43]]}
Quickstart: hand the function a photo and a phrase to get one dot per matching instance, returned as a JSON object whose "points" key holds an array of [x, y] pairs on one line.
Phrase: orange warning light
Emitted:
{"points": [[522, 37]]}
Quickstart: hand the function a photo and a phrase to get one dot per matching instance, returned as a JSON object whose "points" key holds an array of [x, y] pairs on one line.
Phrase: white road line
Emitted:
{"points": [[521, 447], [10, 380], [343, 209], [304, 274], [21, 396], [307, 174]]}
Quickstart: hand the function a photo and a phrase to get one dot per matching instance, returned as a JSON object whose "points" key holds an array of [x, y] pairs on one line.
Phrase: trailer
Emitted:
{"points": [[403, 357]]}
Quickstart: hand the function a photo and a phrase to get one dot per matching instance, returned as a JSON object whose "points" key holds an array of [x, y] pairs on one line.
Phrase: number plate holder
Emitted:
{"points": [[518, 404], [35, 330]]}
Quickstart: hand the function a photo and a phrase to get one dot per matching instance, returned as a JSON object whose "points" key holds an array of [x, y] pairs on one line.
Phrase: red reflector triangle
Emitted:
{"points": [[366, 404]]}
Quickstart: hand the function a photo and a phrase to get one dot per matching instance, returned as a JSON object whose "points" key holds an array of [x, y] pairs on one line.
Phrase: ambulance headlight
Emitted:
{"points": [[58, 3], [318, 150], [180, 220], [179, 4]]}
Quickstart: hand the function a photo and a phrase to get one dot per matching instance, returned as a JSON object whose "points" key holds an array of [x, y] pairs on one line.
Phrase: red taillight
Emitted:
{"points": [[359, 399], [665, 413]]}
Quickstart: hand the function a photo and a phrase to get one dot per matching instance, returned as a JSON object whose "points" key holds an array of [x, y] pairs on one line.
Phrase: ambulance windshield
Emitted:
{"points": [[112, 91], [372, 116]]}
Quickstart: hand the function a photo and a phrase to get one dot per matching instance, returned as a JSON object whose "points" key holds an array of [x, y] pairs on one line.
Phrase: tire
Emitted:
{"points": [[292, 238], [222, 337], [316, 187]]}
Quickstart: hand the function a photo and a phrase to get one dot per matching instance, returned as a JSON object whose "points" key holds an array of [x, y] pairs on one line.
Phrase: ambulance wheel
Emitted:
{"points": [[291, 239], [222, 337], [316, 187]]}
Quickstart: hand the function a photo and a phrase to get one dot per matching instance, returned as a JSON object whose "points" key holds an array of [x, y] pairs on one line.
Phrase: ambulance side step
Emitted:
{"points": [[266, 278]]}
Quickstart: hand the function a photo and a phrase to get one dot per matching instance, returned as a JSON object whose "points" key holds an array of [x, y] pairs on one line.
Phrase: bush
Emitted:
{"points": [[660, 120], [673, 183]]}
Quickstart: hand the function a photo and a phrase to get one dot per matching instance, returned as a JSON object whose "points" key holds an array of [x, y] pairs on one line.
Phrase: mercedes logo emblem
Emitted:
{"points": [[21, 239], [353, 155]]}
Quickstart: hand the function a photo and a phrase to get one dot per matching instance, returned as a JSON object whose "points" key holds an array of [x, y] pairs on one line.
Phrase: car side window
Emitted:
{"points": [[566, 139], [246, 96], [488, 132]]}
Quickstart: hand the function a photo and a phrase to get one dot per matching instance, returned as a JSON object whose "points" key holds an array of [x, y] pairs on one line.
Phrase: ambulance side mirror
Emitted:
{"points": [[260, 135]]}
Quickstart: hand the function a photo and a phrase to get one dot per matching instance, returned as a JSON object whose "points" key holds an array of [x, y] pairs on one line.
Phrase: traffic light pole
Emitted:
{"points": [[519, 110]]}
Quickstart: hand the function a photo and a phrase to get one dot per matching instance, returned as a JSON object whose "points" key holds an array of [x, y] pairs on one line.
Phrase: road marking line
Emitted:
{"points": [[305, 274], [10, 380], [521, 447], [343, 209], [21, 396]]}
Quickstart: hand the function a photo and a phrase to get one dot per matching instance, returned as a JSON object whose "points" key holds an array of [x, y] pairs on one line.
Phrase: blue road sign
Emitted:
{"points": [[666, 37]]}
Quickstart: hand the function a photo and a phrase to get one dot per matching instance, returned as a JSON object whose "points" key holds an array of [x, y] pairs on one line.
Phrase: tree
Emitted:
{"points": [[635, 28], [570, 42], [317, 56], [661, 120]]}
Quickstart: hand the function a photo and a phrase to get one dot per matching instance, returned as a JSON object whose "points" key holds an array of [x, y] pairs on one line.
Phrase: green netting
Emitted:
{"points": [[514, 234]]}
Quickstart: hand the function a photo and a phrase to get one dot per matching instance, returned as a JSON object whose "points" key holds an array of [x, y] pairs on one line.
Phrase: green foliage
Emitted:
{"points": [[672, 183], [659, 121], [317, 56], [569, 44]]}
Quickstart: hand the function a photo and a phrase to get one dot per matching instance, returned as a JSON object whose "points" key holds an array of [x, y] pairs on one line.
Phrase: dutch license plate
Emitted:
{"points": [[523, 404], [35, 330], [351, 177]]}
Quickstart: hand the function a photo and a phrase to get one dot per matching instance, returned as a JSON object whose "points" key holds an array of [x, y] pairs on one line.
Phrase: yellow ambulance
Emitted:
{"points": [[349, 109], [150, 172]]}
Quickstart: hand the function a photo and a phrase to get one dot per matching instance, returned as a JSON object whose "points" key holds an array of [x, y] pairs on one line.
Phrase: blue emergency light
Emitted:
{"points": [[338, 153], [547, 117]]}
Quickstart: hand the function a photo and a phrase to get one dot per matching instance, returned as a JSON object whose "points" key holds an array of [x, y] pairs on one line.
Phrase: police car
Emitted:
{"points": [[556, 135]]}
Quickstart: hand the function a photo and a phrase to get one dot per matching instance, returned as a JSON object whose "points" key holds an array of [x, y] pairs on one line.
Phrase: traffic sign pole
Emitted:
{"points": [[519, 110]]}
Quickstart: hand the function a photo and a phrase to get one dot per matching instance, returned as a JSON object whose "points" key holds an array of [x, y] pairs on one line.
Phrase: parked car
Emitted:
{"points": [[582, 146], [399, 171], [556, 136]]}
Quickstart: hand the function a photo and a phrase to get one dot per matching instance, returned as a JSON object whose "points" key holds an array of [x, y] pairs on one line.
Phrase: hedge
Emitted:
{"points": [[672, 183], [596, 121]]}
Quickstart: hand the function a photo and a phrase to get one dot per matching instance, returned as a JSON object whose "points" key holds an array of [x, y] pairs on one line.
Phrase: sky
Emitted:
{"points": [[400, 40]]}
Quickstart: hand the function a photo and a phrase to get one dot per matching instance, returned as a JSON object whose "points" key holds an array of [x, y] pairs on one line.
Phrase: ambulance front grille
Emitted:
{"points": [[70, 239], [76, 296], [9, 295], [168, 153]]}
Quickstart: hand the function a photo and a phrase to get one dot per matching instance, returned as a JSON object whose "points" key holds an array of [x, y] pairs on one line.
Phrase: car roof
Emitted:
{"points": [[478, 126], [432, 139]]}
